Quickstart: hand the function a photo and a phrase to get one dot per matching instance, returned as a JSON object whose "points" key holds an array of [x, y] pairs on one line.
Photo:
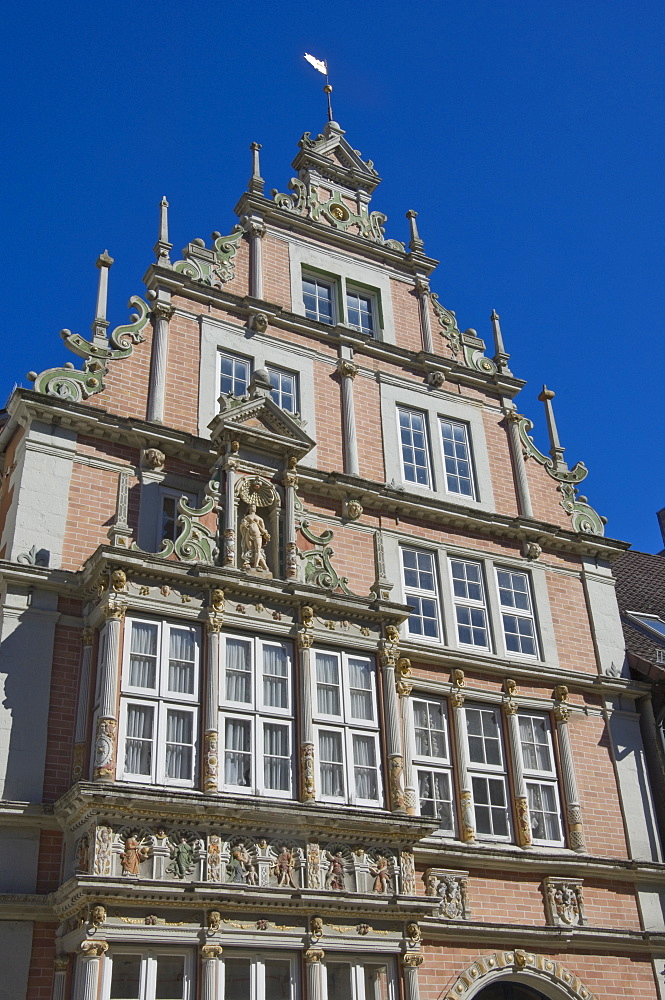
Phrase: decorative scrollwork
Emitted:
{"points": [[449, 328], [211, 267], [196, 542], [74, 385], [319, 570]]}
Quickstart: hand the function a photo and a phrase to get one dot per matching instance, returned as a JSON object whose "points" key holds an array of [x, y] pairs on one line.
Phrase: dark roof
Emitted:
{"points": [[640, 587]]}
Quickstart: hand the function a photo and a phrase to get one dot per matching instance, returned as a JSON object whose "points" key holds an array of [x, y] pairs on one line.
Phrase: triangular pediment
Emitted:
{"points": [[259, 421], [331, 157]]}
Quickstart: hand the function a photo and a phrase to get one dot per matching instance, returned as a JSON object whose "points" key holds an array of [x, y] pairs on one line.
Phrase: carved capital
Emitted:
{"points": [[94, 949], [412, 959], [214, 623], [347, 369], [561, 713], [211, 952], [255, 228], [305, 639], [457, 699], [61, 964], [115, 610], [163, 310], [314, 955], [510, 706]]}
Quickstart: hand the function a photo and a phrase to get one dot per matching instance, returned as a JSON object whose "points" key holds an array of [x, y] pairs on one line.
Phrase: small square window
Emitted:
{"points": [[318, 300], [361, 312], [234, 376], [284, 389]]}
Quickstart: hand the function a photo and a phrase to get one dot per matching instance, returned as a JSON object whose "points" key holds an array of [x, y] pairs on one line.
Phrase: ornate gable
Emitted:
{"points": [[330, 157]]}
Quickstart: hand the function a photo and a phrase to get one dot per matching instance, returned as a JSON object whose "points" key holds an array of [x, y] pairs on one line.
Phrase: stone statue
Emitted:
{"points": [[241, 867], [283, 868], [381, 874], [254, 537], [182, 854], [133, 854], [335, 874]]}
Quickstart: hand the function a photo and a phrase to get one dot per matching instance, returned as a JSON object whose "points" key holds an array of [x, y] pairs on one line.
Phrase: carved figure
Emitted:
{"points": [[316, 927], [241, 866], [214, 920], [133, 854], [254, 537], [98, 915], [82, 860], [153, 458], [413, 934], [103, 837], [217, 599], [353, 509], [313, 866], [118, 580], [408, 873], [381, 873], [336, 868], [392, 633], [565, 903], [150, 920], [214, 858], [283, 868], [182, 854]]}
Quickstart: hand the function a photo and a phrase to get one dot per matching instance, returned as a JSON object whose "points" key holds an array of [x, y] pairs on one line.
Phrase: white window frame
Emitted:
{"points": [[542, 776], [429, 484], [507, 610], [243, 359], [257, 960], [347, 726], [421, 593], [374, 311], [257, 713], [430, 763], [464, 427], [162, 700], [281, 372], [470, 603], [358, 963], [325, 282], [490, 772], [148, 976]]}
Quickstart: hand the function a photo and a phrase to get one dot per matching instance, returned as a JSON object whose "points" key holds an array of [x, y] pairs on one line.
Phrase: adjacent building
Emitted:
{"points": [[314, 678]]}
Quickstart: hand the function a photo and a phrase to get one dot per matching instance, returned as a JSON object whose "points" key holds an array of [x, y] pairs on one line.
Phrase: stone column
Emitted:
{"points": [[60, 967], [81, 726], [519, 784], [411, 962], [210, 956], [89, 961], [521, 482], [229, 557], [307, 778], [423, 289], [404, 688], [462, 763], [573, 811], [211, 704], [290, 487], [106, 737], [388, 657], [347, 372], [315, 973], [162, 311], [255, 230]]}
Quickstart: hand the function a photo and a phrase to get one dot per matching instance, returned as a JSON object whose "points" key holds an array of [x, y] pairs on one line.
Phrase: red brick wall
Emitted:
{"points": [[40, 980], [65, 674]]}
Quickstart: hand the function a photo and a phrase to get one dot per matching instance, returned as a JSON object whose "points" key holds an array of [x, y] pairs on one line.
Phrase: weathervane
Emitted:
{"points": [[322, 66]]}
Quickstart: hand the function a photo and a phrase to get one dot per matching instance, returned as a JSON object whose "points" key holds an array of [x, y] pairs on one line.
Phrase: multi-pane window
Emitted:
{"points": [[457, 458], [362, 978], [360, 309], [259, 976], [541, 780], [470, 604], [519, 627], [432, 761], [415, 449], [159, 711], [345, 710], [158, 974], [487, 769], [234, 374], [318, 299], [284, 388], [256, 725], [420, 593], [168, 519]]}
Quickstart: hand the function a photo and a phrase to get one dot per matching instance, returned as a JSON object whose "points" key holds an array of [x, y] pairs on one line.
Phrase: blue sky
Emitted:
{"points": [[528, 136]]}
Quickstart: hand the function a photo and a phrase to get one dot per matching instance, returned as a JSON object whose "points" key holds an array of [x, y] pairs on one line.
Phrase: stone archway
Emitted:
{"points": [[542, 974]]}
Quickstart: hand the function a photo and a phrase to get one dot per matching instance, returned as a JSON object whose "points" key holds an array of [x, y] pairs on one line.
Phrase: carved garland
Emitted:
{"points": [[492, 967], [68, 383]]}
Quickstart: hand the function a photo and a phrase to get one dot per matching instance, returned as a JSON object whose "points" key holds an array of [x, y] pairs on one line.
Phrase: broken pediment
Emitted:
{"points": [[331, 157]]}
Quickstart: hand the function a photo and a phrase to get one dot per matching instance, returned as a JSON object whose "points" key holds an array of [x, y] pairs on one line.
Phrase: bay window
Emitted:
{"points": [[259, 976], [359, 979], [433, 762], [346, 717], [540, 777], [157, 974], [159, 702], [256, 716]]}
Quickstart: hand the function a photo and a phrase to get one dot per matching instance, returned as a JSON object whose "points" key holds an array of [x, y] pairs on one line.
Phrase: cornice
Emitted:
{"points": [[28, 815]]}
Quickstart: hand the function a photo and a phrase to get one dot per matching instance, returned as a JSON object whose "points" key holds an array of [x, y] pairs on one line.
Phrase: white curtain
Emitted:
{"points": [[360, 681], [138, 742], [327, 684], [238, 671], [238, 757], [275, 677], [276, 757], [181, 661], [179, 745], [364, 758], [332, 768], [143, 656]]}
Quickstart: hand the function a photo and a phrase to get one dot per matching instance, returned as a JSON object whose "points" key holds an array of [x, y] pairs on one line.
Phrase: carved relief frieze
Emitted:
{"points": [[451, 888], [564, 902]]}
